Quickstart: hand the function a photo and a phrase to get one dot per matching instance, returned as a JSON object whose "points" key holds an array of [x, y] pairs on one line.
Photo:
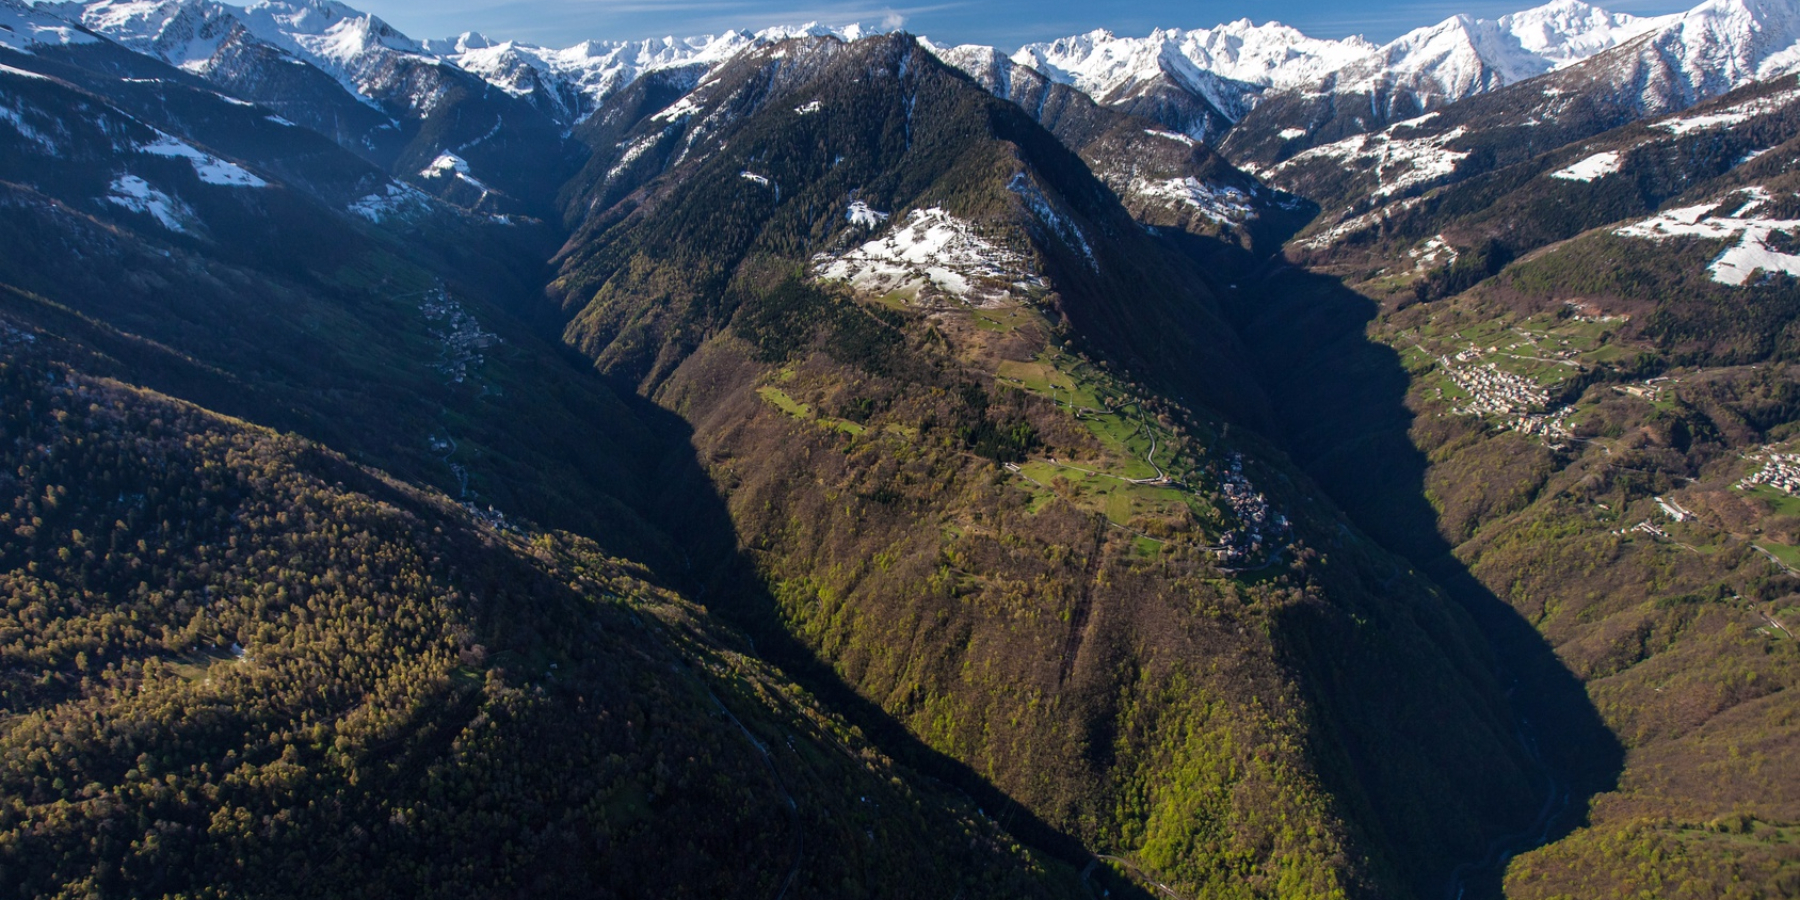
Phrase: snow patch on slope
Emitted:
{"points": [[1732, 115], [861, 213], [136, 194], [931, 251], [16, 119], [1172, 136], [1068, 231], [1221, 203], [211, 169], [1599, 165], [393, 201], [22, 28], [1399, 164], [1750, 254]]}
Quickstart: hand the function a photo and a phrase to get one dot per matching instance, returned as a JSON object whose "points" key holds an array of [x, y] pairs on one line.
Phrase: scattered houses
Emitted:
{"points": [[460, 334], [1261, 527]]}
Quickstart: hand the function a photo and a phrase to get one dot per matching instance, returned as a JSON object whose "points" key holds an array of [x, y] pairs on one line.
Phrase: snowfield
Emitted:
{"points": [[449, 165], [352, 47], [393, 201], [1234, 65], [137, 195], [1731, 115], [931, 251], [861, 213], [211, 169], [1221, 203], [1740, 262], [1171, 136], [1398, 163], [445, 164], [1599, 165]]}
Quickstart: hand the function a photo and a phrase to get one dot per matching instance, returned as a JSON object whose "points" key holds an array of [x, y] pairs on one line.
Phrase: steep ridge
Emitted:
{"points": [[288, 670], [1165, 179], [686, 137], [867, 283]]}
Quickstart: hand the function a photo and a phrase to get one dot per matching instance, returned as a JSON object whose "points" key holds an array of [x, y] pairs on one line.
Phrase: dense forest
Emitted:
{"points": [[239, 665]]}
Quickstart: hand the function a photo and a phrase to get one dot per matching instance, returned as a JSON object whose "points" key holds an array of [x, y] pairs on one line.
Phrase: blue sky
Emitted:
{"points": [[1006, 23]]}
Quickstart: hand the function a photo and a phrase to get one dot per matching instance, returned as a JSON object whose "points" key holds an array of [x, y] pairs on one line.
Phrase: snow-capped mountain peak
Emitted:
{"points": [[23, 27], [577, 79], [1722, 44], [1234, 65], [1456, 58], [1564, 32], [347, 44], [1269, 55]]}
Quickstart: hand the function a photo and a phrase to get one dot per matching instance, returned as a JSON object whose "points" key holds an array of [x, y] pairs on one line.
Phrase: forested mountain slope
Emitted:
{"points": [[238, 664], [886, 298], [969, 402], [1573, 373], [306, 675]]}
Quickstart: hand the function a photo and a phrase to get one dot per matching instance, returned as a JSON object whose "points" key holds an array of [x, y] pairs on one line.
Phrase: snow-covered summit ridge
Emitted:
{"points": [[1724, 44], [324, 32], [595, 70], [1451, 60], [1566, 32], [350, 45], [1270, 55], [354, 47]]}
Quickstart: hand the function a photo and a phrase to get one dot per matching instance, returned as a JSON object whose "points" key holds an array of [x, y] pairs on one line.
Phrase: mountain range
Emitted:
{"points": [[825, 462]]}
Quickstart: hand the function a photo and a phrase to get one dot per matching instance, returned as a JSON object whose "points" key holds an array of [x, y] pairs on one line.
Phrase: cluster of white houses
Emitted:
{"points": [[1496, 391], [1780, 470]]}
